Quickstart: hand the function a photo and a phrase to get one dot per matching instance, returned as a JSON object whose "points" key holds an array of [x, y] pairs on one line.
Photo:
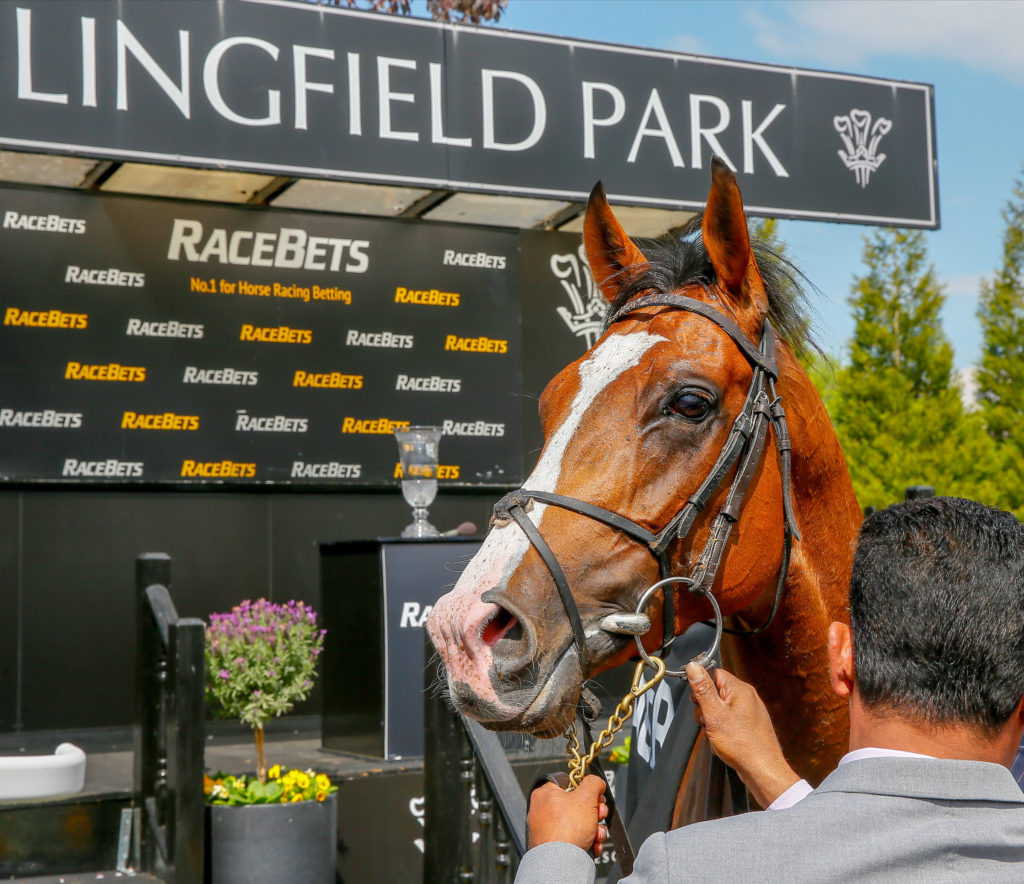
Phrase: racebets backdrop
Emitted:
{"points": [[174, 342]]}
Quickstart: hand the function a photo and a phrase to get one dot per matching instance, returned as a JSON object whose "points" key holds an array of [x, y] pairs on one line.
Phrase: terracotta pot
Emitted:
{"points": [[272, 843]]}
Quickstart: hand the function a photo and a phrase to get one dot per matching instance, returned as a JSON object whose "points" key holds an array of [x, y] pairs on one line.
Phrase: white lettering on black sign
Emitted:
{"points": [[329, 470], [356, 338], [47, 419], [102, 469], [109, 276], [473, 259], [472, 428], [289, 248], [277, 423], [169, 329], [414, 615], [43, 223], [431, 384], [231, 377]]}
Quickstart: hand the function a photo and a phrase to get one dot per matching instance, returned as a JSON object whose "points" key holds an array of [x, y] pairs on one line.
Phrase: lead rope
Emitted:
{"points": [[578, 763]]}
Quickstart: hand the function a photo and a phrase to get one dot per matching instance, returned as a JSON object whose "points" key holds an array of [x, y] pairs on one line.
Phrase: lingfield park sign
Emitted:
{"points": [[295, 88]]}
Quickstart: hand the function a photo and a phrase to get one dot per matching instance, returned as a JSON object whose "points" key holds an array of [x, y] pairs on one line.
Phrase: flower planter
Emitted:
{"points": [[291, 843]]}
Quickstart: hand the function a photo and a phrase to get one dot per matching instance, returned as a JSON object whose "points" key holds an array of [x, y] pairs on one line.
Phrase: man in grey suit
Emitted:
{"points": [[932, 664]]}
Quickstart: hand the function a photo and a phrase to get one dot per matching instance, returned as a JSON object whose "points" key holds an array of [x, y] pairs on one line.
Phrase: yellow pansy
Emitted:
{"points": [[275, 772], [322, 781], [296, 797], [320, 796], [301, 779]]}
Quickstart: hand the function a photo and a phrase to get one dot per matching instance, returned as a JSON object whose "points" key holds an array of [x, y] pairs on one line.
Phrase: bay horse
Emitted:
{"points": [[633, 427]]}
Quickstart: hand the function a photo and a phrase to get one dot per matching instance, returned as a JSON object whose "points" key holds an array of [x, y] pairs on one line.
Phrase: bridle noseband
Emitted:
{"points": [[743, 449]]}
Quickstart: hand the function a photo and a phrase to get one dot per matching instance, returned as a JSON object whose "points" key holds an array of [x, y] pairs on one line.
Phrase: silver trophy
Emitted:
{"points": [[417, 450]]}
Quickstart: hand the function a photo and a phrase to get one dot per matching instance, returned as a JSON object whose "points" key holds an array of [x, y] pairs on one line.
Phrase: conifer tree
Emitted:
{"points": [[1000, 375], [897, 409]]}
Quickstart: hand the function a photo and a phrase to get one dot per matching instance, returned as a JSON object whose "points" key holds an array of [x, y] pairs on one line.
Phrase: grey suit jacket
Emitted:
{"points": [[877, 819]]}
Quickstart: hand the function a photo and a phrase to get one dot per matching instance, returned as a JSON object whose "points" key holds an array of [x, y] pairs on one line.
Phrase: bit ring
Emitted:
{"points": [[704, 657]]}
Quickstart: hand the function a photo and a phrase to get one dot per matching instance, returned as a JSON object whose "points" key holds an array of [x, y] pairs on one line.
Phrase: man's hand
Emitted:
{"points": [[574, 817], [741, 733]]}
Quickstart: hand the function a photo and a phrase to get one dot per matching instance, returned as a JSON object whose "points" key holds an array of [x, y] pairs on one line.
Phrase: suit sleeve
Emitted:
{"points": [[651, 866], [556, 863]]}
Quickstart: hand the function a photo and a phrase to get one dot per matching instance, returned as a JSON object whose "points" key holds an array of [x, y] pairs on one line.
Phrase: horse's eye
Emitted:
{"points": [[692, 406]]}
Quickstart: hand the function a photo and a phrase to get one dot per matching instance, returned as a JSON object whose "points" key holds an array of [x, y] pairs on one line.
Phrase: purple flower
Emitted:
{"points": [[225, 674]]}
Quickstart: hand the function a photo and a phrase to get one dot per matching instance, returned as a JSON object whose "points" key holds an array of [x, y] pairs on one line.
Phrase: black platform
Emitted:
{"points": [[380, 808]]}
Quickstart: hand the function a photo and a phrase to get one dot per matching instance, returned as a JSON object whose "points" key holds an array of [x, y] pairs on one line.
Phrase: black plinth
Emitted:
{"points": [[375, 597]]}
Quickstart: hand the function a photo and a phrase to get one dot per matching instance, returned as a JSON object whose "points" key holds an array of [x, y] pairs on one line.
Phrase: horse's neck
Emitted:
{"points": [[788, 663]]}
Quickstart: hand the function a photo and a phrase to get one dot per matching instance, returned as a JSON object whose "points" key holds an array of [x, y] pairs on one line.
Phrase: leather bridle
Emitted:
{"points": [[743, 449]]}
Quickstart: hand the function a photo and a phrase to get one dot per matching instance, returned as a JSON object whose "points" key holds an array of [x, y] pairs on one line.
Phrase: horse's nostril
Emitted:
{"points": [[504, 624]]}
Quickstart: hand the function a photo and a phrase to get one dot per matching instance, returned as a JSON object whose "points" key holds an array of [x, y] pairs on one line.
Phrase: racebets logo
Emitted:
{"points": [[217, 469], [114, 371], [444, 471], [475, 345], [329, 380], [426, 297], [276, 335], [382, 426], [132, 420], [45, 318]]}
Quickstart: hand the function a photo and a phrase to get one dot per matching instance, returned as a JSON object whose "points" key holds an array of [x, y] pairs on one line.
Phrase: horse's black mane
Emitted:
{"points": [[683, 260]]}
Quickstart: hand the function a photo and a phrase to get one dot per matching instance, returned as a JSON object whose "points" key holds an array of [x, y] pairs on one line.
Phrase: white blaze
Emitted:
{"points": [[505, 547]]}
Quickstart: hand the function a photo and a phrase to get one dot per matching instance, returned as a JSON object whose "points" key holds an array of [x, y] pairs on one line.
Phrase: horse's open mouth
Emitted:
{"points": [[545, 712]]}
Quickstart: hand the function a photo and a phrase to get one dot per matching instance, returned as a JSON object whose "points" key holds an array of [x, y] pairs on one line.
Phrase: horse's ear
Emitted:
{"points": [[725, 237], [610, 251]]}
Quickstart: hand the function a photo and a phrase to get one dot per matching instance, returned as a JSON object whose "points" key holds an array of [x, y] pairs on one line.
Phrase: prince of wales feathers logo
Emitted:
{"points": [[861, 156], [588, 304]]}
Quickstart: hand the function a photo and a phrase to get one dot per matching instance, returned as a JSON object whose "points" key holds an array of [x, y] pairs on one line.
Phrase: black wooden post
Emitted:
{"points": [[185, 749], [150, 774], [483, 862], [169, 724], [448, 771]]}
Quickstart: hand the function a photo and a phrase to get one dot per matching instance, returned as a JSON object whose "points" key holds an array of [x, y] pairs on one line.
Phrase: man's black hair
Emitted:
{"points": [[937, 612]]}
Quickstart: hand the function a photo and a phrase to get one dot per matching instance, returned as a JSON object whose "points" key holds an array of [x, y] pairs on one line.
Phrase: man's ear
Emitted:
{"points": [[840, 658]]}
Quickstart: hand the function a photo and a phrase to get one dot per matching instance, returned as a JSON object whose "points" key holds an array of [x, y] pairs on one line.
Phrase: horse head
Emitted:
{"points": [[634, 427]]}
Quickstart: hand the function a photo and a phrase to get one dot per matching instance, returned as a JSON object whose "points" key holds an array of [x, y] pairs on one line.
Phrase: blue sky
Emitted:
{"points": [[970, 50]]}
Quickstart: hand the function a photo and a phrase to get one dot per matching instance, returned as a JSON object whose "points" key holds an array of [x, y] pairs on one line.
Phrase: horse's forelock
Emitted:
{"points": [[683, 261]]}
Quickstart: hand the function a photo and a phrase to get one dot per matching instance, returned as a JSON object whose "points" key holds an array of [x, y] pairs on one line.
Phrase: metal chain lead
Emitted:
{"points": [[578, 764], [572, 747]]}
